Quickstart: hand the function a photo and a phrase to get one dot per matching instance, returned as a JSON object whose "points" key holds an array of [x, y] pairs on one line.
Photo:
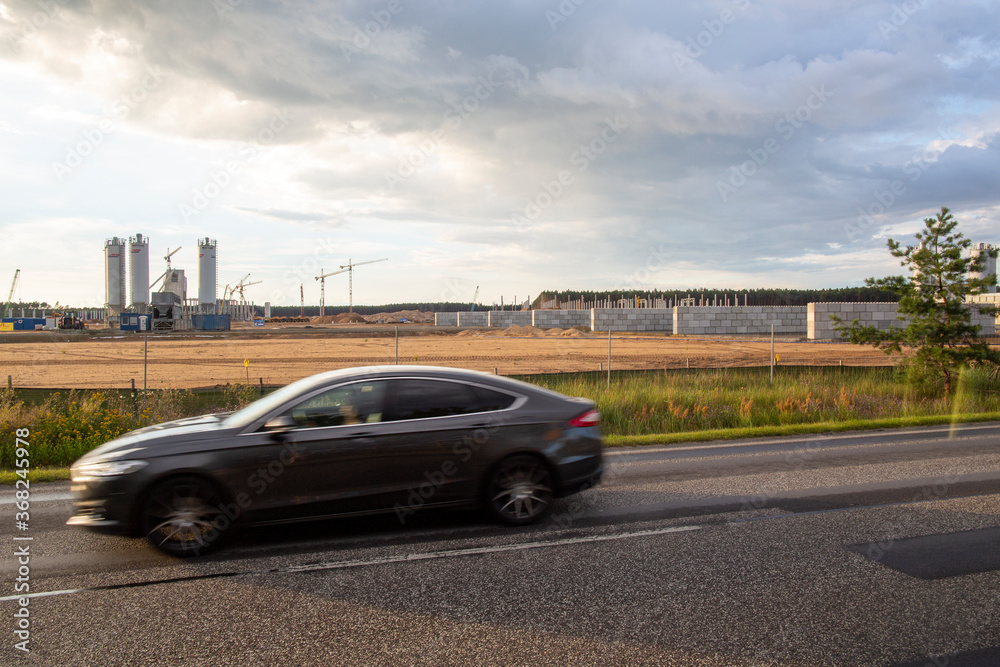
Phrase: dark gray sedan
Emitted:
{"points": [[359, 441]]}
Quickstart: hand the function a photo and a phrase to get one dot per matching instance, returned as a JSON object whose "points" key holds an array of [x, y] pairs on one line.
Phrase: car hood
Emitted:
{"points": [[150, 438]]}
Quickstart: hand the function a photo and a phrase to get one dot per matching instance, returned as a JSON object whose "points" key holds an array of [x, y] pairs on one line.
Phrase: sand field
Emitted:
{"points": [[198, 360]]}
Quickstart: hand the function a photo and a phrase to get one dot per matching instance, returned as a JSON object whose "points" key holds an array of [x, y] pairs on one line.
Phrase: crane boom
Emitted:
{"points": [[349, 267], [10, 296], [322, 288]]}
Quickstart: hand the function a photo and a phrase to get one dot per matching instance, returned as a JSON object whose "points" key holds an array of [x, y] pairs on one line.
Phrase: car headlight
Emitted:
{"points": [[102, 469]]}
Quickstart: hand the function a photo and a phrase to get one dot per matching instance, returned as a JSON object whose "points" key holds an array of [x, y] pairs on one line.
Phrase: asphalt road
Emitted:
{"points": [[876, 548]]}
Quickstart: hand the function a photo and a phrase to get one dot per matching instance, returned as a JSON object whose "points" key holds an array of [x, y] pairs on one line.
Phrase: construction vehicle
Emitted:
{"points": [[66, 320]]}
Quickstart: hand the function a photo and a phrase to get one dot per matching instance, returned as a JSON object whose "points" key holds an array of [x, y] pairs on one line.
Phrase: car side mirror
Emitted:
{"points": [[280, 424]]}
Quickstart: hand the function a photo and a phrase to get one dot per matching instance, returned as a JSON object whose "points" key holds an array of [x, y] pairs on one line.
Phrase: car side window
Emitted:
{"points": [[420, 399], [357, 403]]}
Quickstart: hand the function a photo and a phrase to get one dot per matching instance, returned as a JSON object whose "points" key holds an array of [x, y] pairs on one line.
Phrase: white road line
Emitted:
{"points": [[38, 498], [612, 452], [388, 560], [456, 553]]}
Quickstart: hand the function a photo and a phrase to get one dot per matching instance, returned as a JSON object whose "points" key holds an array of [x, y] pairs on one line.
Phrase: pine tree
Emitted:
{"points": [[933, 303]]}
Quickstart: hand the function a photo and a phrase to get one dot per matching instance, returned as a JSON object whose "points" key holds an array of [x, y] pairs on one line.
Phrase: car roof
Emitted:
{"points": [[439, 372]]}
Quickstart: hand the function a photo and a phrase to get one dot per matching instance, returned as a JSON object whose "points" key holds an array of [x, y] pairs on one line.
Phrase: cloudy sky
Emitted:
{"points": [[517, 146]]}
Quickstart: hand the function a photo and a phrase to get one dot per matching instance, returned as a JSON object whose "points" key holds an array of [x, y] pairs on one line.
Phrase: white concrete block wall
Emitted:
{"points": [[821, 326], [737, 320], [445, 319], [476, 318], [563, 319], [507, 318], [881, 315], [658, 320]]}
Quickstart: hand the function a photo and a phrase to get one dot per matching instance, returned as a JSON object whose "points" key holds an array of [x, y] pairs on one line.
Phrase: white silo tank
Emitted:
{"points": [[207, 274], [138, 271], [989, 264], [114, 276]]}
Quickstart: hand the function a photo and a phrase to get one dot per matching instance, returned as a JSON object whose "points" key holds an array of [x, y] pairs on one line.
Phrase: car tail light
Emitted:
{"points": [[587, 419]]}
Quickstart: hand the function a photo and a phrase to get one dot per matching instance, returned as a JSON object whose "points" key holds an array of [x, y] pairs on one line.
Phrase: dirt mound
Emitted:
{"points": [[408, 315], [518, 330], [554, 331], [349, 318], [571, 333], [326, 319]]}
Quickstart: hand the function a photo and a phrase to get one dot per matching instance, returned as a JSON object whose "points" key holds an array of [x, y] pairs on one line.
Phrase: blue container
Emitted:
{"points": [[133, 322], [27, 323], [210, 322]]}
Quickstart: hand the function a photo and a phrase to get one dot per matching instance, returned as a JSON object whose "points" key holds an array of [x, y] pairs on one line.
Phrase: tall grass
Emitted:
{"points": [[66, 425], [677, 401]]}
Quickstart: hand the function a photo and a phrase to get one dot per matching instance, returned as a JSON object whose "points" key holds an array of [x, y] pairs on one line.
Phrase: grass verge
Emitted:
{"points": [[795, 429]]}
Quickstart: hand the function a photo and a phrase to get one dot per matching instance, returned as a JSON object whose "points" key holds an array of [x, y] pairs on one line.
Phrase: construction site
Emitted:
{"points": [[158, 334]]}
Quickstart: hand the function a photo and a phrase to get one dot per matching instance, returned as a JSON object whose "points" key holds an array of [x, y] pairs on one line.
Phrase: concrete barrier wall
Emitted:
{"points": [[446, 319], [734, 320], [821, 327], [508, 318], [473, 319], [881, 315], [564, 319], [632, 319]]}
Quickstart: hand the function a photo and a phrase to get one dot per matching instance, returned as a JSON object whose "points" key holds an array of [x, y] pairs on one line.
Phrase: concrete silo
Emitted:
{"points": [[207, 275], [114, 278], [989, 263], [138, 271]]}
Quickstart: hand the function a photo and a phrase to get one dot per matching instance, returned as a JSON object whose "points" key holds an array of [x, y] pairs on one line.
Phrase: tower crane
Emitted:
{"points": [[350, 277], [322, 288], [169, 268], [242, 286], [474, 297], [10, 297]]}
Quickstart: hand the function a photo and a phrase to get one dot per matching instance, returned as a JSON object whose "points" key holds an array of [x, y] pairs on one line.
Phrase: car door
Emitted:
{"points": [[436, 429], [328, 461]]}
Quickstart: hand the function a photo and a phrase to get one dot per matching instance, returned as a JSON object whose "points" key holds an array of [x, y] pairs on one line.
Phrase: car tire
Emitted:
{"points": [[520, 490], [183, 516]]}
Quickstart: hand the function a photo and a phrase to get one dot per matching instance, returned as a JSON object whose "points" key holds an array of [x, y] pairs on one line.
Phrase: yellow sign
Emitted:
{"points": [[6, 326], [246, 363], [777, 357]]}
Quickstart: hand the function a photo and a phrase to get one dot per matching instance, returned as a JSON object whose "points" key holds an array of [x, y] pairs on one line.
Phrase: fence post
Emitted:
{"points": [[609, 356], [772, 352]]}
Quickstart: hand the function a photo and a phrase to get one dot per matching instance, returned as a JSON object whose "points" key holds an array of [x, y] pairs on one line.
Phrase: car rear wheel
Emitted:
{"points": [[520, 490], [183, 516]]}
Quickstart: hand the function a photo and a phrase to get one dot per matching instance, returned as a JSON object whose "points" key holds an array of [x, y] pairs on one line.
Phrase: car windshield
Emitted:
{"points": [[259, 408]]}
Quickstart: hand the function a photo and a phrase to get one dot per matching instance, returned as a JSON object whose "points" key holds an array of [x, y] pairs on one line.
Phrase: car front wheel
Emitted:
{"points": [[183, 516], [520, 490]]}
